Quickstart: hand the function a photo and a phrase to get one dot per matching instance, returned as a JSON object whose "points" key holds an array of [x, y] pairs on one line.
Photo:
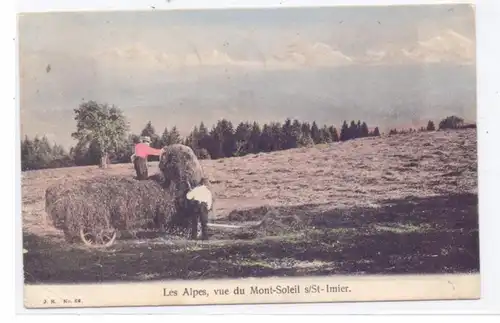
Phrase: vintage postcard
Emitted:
{"points": [[244, 156]]}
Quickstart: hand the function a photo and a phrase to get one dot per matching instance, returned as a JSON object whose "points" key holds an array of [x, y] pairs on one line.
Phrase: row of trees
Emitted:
{"points": [[38, 153], [430, 127], [103, 136], [450, 122], [226, 140]]}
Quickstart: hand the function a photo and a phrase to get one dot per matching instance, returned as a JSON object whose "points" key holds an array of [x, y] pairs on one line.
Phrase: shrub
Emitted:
{"points": [[451, 122]]}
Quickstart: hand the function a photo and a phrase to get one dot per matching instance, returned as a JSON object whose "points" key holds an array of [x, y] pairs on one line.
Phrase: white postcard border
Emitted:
{"points": [[488, 103]]}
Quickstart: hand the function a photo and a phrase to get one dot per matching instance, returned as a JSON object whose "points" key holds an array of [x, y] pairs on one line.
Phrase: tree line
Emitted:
{"points": [[450, 122], [430, 127], [224, 139], [103, 136]]}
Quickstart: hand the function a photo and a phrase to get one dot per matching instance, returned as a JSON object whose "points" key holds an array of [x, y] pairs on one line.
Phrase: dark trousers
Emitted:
{"points": [[141, 168]]}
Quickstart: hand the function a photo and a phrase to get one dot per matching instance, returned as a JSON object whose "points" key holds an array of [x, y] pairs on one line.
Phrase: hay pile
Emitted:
{"points": [[105, 203], [124, 203], [181, 168], [182, 171]]}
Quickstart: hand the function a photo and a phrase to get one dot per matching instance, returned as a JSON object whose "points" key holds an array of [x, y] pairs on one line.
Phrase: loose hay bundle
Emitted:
{"points": [[272, 221], [108, 203]]}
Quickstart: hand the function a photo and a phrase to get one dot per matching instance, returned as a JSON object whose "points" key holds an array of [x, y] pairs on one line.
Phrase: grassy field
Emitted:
{"points": [[397, 204]]}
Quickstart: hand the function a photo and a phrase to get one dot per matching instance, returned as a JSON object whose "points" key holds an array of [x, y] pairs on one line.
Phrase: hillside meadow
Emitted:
{"points": [[379, 205]]}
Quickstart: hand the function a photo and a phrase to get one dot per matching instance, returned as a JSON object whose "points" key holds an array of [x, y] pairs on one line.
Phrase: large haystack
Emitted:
{"points": [[181, 168], [182, 171], [108, 203]]}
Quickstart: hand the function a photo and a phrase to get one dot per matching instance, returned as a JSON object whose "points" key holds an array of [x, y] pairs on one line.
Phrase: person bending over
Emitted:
{"points": [[140, 157]]}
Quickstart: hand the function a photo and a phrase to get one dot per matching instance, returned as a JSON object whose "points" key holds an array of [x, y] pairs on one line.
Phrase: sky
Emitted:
{"points": [[387, 65]]}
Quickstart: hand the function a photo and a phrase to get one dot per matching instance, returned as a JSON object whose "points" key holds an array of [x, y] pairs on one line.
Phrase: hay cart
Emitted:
{"points": [[105, 235], [96, 211]]}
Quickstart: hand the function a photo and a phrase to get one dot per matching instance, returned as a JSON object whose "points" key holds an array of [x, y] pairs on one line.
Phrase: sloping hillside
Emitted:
{"points": [[398, 204]]}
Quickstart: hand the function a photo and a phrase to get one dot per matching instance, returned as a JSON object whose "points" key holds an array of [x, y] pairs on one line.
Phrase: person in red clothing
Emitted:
{"points": [[140, 157]]}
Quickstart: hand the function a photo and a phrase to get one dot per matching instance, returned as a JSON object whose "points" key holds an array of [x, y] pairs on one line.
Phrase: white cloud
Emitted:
{"points": [[446, 46], [296, 56], [307, 54], [215, 58], [137, 55], [141, 62], [327, 56]]}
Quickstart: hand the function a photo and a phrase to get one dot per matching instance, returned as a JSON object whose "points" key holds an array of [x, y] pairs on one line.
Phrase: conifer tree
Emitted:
{"points": [[364, 130], [296, 137], [431, 126], [344, 132], [164, 137], [353, 130], [255, 139], [326, 136], [174, 137], [148, 130], [333, 134], [242, 138], [315, 133], [266, 138]]}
